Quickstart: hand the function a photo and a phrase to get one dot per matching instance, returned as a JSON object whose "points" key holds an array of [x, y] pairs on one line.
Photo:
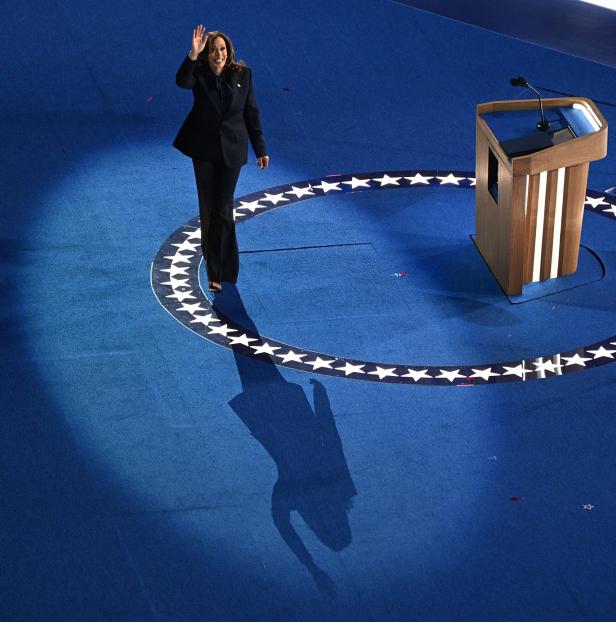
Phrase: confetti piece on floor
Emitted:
{"points": [[400, 274], [518, 498], [149, 99]]}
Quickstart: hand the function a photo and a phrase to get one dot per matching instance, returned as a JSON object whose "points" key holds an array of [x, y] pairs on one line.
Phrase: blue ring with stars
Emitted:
{"points": [[175, 282]]}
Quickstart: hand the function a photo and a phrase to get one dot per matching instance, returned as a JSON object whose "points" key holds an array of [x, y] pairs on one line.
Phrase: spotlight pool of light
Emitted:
{"points": [[606, 4]]}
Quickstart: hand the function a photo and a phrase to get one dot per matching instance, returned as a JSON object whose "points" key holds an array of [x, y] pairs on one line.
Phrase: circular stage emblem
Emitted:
{"points": [[175, 282]]}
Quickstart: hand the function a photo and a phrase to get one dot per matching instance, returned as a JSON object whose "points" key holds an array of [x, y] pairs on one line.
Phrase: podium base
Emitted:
{"points": [[590, 270]]}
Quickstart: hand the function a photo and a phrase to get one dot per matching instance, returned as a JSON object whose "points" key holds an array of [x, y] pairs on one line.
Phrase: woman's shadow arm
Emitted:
{"points": [[282, 506]]}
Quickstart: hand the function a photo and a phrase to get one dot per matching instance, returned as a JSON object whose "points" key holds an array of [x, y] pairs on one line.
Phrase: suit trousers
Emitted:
{"points": [[215, 188]]}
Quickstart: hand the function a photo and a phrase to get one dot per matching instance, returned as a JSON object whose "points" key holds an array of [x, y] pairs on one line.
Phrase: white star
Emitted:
{"points": [[176, 283], [418, 178], [265, 348], [242, 339], [349, 368], [250, 205], [192, 309], [417, 375], [291, 356], [576, 359], [588, 506], [181, 296], [325, 186], [356, 183], [186, 246], [179, 258], [595, 202], [450, 179], [483, 373], [238, 215], [193, 234], [319, 362], [451, 375], [223, 330], [275, 198], [175, 270], [300, 192], [204, 319], [473, 181], [611, 209], [519, 370], [602, 352], [383, 372], [387, 180], [547, 365]]}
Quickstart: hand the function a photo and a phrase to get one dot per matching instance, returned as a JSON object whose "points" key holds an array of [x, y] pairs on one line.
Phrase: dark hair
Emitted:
{"points": [[230, 65]]}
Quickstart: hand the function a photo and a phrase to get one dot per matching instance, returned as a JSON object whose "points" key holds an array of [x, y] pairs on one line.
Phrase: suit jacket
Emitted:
{"points": [[208, 130]]}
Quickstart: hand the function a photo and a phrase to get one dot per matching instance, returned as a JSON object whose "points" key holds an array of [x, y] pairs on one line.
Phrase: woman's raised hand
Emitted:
{"points": [[199, 39]]}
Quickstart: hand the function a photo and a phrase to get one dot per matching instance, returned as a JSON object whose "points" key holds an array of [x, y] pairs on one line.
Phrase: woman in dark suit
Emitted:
{"points": [[215, 135]]}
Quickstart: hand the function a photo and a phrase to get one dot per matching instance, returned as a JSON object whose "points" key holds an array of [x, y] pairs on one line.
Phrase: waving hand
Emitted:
{"points": [[199, 39]]}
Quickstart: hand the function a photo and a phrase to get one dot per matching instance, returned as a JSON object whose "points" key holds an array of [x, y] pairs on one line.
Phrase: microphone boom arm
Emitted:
{"points": [[543, 125]]}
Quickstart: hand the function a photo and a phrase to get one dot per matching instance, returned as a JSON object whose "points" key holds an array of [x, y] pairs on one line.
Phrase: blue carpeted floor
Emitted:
{"points": [[151, 474]]}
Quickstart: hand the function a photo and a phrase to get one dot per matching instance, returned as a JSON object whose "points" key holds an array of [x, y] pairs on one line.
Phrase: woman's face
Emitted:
{"points": [[217, 56]]}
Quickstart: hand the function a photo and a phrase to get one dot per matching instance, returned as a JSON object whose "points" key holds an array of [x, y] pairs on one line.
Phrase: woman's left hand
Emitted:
{"points": [[263, 162]]}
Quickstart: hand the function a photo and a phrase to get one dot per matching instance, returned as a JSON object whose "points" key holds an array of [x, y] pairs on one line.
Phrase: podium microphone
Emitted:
{"points": [[543, 125]]}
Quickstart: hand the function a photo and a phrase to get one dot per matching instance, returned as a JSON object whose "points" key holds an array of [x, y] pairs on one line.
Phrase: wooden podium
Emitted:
{"points": [[531, 186]]}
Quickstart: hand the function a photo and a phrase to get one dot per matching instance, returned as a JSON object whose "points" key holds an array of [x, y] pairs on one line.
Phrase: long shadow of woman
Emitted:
{"points": [[313, 476]]}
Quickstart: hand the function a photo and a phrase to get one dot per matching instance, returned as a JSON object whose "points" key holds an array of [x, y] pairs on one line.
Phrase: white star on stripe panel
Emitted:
{"points": [[175, 270], [275, 198], [179, 258], [611, 209], [265, 348], [383, 372], [417, 375], [418, 178], [357, 183], [242, 339], [595, 202], [450, 179], [223, 330], [291, 356], [349, 368], [486, 374], [176, 283], [327, 186], [386, 180], [301, 192], [451, 375], [519, 370], [576, 359], [319, 362], [186, 246], [181, 296], [193, 234], [204, 319], [250, 205], [192, 309], [472, 180], [602, 353]]}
